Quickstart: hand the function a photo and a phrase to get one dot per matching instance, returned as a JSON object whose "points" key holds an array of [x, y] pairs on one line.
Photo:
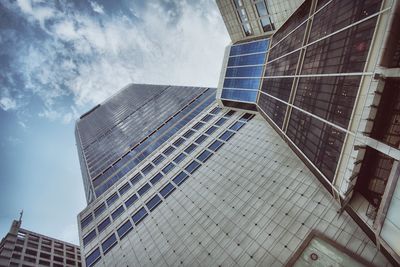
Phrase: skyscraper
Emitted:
{"points": [[21, 247], [205, 180]]}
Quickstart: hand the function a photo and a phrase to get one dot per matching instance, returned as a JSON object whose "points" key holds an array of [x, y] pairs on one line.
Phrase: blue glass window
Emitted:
{"points": [[131, 200], [93, 257], [249, 47], [109, 243], [207, 117], [112, 199], [239, 95], [153, 203], [124, 229], [201, 139], [99, 210], [147, 169], [117, 212], [156, 178], [192, 167], [236, 126], [204, 156], [179, 158], [158, 159], [247, 117], [198, 125], [124, 188], [168, 168], [215, 145], [221, 121], [167, 190], [136, 178], [89, 237], [103, 225], [182, 176], [144, 189], [211, 130], [245, 84], [190, 148], [169, 150], [139, 216], [255, 71], [256, 59], [188, 133], [179, 142], [226, 135], [215, 110], [230, 113], [88, 219]]}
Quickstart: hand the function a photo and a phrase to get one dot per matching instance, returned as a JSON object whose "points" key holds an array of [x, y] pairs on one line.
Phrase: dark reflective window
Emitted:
{"points": [[168, 151], [226, 135], [201, 139], [144, 189], [156, 178], [103, 225], [221, 121], [198, 125], [124, 229], [124, 188], [112, 199], [203, 157], [179, 142], [168, 168], [167, 190], [99, 210], [236, 126], [136, 178], [179, 158], [147, 168], [158, 159], [139, 216], [211, 130], [89, 237], [182, 176], [93, 257], [190, 148], [117, 212], [215, 145], [109, 243], [188, 133], [131, 200], [192, 167], [85, 221], [153, 202]]}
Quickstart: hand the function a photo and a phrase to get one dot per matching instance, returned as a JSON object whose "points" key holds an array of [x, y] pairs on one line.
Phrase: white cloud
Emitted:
{"points": [[7, 103], [97, 7]]}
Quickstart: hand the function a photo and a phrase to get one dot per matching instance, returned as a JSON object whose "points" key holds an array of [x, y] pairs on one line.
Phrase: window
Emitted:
{"points": [[156, 178], [136, 178], [168, 151], [144, 189], [230, 113], [139, 216], [147, 169], [168, 168], [153, 203], [198, 125], [236, 126], [89, 237], [190, 148], [192, 167], [201, 139], [179, 142], [131, 200], [179, 158], [124, 189], [117, 212], [45, 263], [158, 159], [124, 229], [215, 110], [207, 117], [221, 121], [211, 130], [99, 210], [59, 259], [103, 225], [188, 133], [31, 252], [226, 135], [112, 199], [204, 156], [88, 219], [109, 243], [167, 190], [215, 145], [182, 176], [45, 255]]}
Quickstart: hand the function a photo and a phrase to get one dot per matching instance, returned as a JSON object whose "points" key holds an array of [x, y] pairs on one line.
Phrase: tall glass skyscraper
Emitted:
{"points": [[273, 167]]}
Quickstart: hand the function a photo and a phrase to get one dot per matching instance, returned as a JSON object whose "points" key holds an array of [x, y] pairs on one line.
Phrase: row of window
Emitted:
{"points": [[160, 158], [178, 179], [148, 145]]}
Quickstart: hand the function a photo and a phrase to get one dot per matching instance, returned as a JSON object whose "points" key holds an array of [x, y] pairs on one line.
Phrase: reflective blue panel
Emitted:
{"points": [[147, 169], [192, 167], [158, 159], [178, 142], [109, 243], [139, 216], [89, 237], [215, 145], [250, 47], [201, 139], [240, 95], [242, 83], [143, 189], [198, 125], [179, 158], [153, 203], [85, 221], [182, 176], [255, 71], [190, 148], [99, 210], [221, 121], [256, 59], [124, 229], [211, 130], [131, 200], [204, 156], [168, 151], [168, 168], [188, 133], [167, 190], [103, 225], [117, 212], [93, 257], [112, 199], [136, 178], [124, 189], [236, 126], [207, 117], [226, 135], [156, 178]]}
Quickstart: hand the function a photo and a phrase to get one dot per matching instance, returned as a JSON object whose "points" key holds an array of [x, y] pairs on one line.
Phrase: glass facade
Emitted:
{"points": [[244, 71]]}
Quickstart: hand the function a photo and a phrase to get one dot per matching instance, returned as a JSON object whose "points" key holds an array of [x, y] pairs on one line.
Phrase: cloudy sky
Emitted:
{"points": [[60, 58]]}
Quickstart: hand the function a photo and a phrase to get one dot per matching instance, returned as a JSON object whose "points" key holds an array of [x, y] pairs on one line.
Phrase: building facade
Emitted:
{"points": [[24, 248]]}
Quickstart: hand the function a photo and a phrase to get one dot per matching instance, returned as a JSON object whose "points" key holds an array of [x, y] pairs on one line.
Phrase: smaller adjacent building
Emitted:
{"points": [[21, 247]]}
